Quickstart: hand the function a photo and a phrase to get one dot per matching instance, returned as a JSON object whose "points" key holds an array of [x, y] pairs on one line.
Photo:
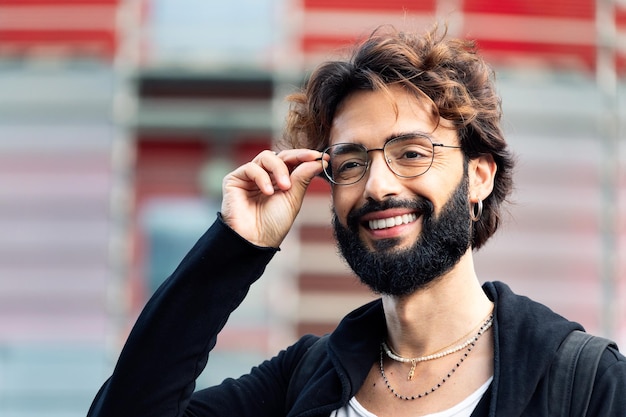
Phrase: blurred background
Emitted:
{"points": [[118, 119]]}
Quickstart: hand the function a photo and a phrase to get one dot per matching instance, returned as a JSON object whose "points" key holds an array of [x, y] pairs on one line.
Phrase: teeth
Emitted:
{"points": [[392, 221]]}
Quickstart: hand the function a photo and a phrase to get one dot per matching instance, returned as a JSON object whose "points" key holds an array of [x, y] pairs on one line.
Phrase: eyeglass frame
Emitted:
{"points": [[369, 160]]}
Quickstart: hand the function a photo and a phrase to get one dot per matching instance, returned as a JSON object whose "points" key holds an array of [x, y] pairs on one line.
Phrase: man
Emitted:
{"points": [[407, 133]]}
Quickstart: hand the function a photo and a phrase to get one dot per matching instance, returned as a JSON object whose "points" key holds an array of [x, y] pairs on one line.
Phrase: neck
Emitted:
{"points": [[434, 317]]}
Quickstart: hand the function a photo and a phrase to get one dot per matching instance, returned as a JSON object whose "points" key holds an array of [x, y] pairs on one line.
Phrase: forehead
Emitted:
{"points": [[369, 117]]}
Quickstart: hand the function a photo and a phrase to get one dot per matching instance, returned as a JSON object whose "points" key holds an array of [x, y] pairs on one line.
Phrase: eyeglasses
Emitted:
{"points": [[407, 156]]}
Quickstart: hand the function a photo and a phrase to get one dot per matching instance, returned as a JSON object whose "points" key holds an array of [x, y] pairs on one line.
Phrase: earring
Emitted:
{"points": [[476, 211]]}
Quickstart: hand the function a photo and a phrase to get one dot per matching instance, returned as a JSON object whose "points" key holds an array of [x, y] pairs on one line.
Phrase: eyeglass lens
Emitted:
{"points": [[406, 156]]}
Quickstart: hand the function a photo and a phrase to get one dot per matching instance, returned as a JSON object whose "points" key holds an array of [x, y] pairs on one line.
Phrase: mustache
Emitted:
{"points": [[420, 205]]}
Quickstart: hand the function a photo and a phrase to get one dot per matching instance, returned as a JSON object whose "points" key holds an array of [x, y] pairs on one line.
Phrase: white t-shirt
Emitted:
{"points": [[462, 409]]}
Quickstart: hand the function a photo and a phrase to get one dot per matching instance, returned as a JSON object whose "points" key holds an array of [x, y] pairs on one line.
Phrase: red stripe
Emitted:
{"points": [[584, 9], [368, 5], [620, 17], [58, 36], [621, 71], [58, 2], [319, 186], [316, 233], [307, 327], [311, 43], [331, 284], [100, 43], [549, 52]]}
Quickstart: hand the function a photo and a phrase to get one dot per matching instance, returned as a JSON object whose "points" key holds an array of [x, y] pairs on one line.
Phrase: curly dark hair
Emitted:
{"points": [[449, 73]]}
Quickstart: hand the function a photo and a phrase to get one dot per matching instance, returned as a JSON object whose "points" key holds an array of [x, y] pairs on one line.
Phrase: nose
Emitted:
{"points": [[380, 182]]}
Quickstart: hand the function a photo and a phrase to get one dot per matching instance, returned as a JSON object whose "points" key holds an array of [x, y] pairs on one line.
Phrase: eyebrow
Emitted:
{"points": [[346, 147], [395, 136], [408, 135]]}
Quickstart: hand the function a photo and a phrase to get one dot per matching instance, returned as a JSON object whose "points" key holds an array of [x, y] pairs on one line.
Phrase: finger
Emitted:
{"points": [[251, 176], [308, 170], [275, 167], [304, 172], [295, 157], [310, 158]]}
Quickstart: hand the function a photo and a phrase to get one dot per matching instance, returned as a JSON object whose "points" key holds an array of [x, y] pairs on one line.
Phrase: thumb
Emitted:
{"points": [[302, 176]]}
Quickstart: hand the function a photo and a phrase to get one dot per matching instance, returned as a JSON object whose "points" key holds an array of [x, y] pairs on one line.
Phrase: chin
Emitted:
{"points": [[389, 245]]}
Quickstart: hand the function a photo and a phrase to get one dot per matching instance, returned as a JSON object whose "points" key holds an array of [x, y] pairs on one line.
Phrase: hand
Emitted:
{"points": [[262, 198]]}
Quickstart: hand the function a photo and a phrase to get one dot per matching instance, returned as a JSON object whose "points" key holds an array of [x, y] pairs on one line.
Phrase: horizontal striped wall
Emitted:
{"points": [[555, 34]]}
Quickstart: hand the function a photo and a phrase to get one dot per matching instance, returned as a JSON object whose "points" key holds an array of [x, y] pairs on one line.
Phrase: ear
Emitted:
{"points": [[482, 172]]}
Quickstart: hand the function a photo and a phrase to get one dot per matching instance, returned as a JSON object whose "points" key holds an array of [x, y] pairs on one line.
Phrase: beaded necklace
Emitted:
{"points": [[470, 347], [439, 354]]}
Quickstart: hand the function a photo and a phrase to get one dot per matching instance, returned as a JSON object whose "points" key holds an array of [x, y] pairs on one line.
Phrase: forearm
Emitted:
{"points": [[169, 344]]}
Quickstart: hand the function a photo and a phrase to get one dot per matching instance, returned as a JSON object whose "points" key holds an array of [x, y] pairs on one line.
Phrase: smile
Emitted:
{"points": [[378, 224]]}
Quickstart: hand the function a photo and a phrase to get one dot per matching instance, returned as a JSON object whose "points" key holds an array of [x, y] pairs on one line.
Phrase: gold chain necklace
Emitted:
{"points": [[471, 346], [439, 354]]}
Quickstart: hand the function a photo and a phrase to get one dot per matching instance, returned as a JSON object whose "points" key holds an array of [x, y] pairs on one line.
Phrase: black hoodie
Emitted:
{"points": [[170, 343]]}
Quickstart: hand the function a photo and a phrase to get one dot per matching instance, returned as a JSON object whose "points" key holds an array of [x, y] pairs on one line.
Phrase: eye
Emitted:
{"points": [[410, 150], [410, 153], [347, 161], [348, 167], [413, 154]]}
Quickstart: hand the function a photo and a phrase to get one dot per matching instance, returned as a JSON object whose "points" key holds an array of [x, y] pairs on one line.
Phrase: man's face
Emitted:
{"points": [[399, 234], [388, 270]]}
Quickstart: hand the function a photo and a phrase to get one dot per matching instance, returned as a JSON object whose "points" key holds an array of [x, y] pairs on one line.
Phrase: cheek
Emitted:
{"points": [[439, 186], [342, 202]]}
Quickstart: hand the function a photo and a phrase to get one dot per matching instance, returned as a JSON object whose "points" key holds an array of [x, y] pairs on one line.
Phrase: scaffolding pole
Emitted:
{"points": [[122, 172], [606, 81]]}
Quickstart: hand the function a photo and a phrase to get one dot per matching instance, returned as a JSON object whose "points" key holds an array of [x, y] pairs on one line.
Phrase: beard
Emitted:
{"points": [[392, 271]]}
